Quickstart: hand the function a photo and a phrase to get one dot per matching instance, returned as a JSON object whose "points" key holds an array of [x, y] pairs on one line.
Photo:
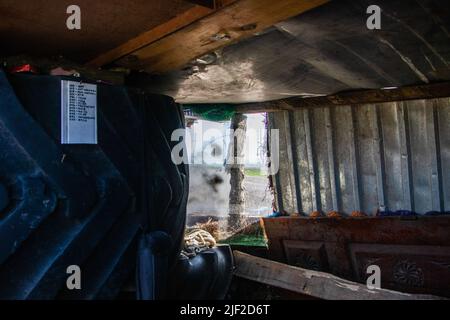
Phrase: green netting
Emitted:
{"points": [[256, 240], [212, 112], [252, 235]]}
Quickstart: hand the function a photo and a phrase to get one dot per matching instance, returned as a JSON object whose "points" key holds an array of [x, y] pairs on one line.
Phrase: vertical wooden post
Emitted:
{"points": [[236, 166]]}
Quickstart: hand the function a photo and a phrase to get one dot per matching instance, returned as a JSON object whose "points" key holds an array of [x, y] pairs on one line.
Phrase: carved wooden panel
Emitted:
{"points": [[306, 254], [406, 268], [413, 253]]}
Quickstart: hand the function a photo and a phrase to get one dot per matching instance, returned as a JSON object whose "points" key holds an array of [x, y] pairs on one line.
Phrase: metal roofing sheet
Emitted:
{"points": [[389, 156], [323, 51]]}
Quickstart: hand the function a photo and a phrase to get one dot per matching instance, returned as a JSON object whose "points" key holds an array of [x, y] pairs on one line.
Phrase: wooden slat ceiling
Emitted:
{"points": [[237, 20], [323, 49], [38, 27], [157, 33]]}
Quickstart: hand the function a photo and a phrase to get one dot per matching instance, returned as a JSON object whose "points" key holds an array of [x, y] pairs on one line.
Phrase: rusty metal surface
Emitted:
{"points": [[378, 157], [413, 254], [323, 51]]}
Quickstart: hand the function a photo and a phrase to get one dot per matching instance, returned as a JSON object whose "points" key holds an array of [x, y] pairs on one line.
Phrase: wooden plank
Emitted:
{"points": [[347, 244], [313, 283], [154, 34], [241, 19], [426, 91]]}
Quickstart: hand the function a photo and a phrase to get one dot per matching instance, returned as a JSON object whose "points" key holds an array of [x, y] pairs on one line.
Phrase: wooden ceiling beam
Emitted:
{"points": [[195, 13], [161, 51], [355, 97]]}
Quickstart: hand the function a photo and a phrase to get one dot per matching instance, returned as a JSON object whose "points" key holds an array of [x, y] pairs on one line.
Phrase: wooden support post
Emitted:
{"points": [[236, 167]]}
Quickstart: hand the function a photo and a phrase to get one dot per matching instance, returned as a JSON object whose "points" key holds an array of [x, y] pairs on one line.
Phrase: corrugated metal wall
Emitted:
{"points": [[389, 156]]}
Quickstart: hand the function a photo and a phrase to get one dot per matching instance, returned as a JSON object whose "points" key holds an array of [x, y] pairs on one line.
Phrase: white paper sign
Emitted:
{"points": [[78, 113]]}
